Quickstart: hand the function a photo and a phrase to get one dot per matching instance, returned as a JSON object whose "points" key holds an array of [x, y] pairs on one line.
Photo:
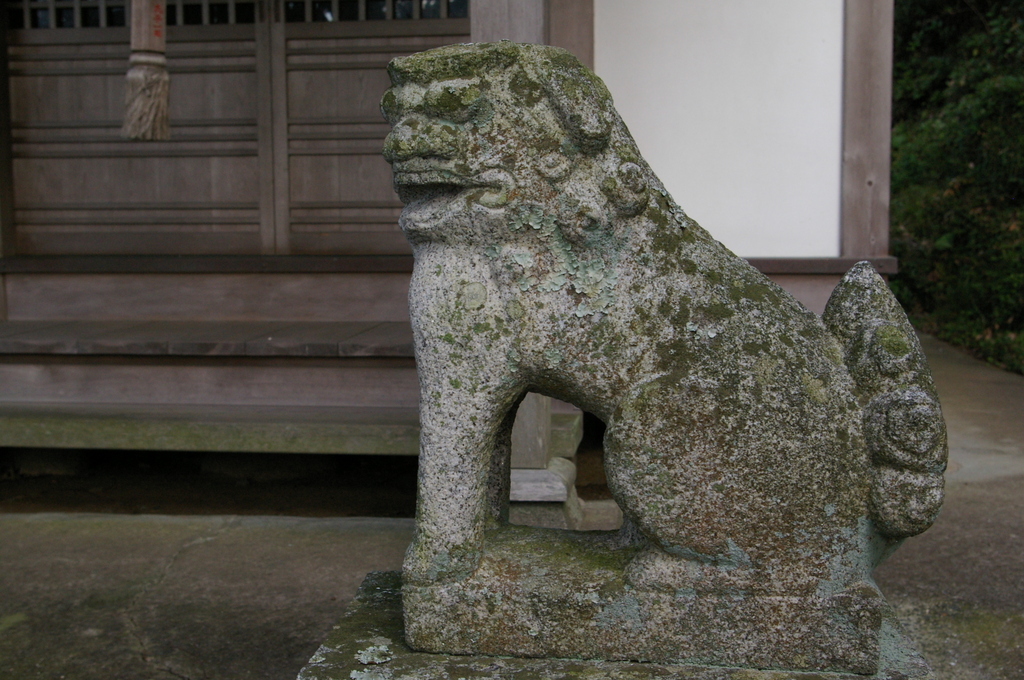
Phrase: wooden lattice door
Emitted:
{"points": [[276, 135]]}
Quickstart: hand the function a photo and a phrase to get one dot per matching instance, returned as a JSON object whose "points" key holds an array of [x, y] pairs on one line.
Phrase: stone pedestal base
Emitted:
{"points": [[368, 644]]}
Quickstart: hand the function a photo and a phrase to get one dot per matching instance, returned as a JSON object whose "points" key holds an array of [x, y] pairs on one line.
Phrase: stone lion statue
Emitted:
{"points": [[765, 459]]}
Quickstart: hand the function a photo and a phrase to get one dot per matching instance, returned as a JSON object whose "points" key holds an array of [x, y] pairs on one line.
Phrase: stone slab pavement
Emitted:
{"points": [[137, 597], [959, 587], [123, 597]]}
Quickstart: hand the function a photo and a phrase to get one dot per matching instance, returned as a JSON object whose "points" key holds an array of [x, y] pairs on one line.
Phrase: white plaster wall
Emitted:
{"points": [[737, 105]]}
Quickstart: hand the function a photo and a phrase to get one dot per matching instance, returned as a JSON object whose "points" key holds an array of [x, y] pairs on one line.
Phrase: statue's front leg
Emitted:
{"points": [[464, 429]]}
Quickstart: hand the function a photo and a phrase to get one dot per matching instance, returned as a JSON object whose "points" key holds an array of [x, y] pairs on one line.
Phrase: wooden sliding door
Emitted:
{"points": [[276, 132], [79, 188], [332, 187]]}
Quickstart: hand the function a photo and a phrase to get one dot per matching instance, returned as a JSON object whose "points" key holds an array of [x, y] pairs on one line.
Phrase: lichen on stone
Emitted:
{"points": [[374, 654]]}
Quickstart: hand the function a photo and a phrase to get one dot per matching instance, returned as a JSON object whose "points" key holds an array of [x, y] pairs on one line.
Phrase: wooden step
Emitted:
{"points": [[309, 387], [247, 386], [251, 429], [208, 338]]}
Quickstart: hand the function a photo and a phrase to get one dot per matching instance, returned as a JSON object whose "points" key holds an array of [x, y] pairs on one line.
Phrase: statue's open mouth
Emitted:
{"points": [[428, 186], [431, 174], [432, 186]]}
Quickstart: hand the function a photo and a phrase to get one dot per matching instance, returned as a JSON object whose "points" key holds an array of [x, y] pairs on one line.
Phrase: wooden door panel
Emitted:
{"points": [[215, 297], [80, 189], [71, 98], [340, 194], [138, 243], [212, 96], [142, 205], [351, 93], [53, 79], [356, 227], [355, 178], [52, 183], [275, 146], [344, 204], [350, 243]]}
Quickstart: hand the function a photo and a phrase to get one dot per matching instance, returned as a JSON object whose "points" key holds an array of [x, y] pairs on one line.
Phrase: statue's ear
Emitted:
{"points": [[582, 102]]}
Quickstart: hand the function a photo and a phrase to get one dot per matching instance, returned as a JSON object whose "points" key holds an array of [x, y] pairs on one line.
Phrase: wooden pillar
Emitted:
{"points": [[531, 434], [7, 245], [867, 121], [571, 27], [568, 24], [523, 21]]}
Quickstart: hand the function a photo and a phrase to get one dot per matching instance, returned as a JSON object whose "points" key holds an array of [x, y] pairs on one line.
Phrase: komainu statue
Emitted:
{"points": [[765, 459]]}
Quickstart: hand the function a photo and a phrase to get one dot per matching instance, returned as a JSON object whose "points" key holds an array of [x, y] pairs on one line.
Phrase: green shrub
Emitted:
{"points": [[958, 172]]}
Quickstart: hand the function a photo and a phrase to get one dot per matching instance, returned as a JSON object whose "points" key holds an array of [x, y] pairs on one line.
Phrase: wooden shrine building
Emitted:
{"points": [[242, 286]]}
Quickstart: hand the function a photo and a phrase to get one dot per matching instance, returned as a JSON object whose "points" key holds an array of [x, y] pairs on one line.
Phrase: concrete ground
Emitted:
{"points": [[959, 587], [87, 596]]}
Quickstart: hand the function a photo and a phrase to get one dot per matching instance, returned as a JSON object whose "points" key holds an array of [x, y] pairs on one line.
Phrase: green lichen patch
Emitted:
{"points": [[893, 341], [450, 62]]}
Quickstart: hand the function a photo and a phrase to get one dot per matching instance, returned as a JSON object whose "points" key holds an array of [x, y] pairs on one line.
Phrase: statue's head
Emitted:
{"points": [[503, 124]]}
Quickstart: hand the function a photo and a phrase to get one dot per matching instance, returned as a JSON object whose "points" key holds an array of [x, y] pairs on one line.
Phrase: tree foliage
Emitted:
{"points": [[958, 171]]}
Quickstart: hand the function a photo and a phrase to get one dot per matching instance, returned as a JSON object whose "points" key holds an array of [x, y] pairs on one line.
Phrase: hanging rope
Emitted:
{"points": [[148, 84]]}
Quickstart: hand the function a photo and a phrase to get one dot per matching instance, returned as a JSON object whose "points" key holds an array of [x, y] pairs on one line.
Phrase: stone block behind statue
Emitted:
{"points": [[765, 460]]}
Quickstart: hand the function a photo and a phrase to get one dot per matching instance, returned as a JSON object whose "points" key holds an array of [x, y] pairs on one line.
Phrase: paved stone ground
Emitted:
{"points": [[959, 587], [111, 597], [140, 597]]}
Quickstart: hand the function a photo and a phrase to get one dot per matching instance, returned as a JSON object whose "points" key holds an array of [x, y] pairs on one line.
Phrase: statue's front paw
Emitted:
{"points": [[428, 562]]}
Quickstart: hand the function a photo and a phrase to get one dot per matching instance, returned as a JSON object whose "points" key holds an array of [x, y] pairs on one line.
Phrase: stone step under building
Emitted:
{"points": [[242, 386]]}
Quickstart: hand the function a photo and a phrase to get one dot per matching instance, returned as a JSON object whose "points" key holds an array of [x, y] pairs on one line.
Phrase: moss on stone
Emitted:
{"points": [[893, 341], [451, 62], [527, 89], [756, 348], [719, 311]]}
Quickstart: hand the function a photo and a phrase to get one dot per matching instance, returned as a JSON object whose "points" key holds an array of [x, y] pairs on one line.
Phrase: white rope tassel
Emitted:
{"points": [[148, 87], [146, 96]]}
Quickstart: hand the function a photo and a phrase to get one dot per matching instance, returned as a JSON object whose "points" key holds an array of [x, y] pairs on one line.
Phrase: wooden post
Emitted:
{"points": [[522, 21], [6, 168], [148, 85], [867, 119], [570, 25], [531, 434]]}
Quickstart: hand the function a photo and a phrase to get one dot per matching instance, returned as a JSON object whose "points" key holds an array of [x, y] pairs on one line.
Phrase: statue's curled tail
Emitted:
{"points": [[903, 423]]}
